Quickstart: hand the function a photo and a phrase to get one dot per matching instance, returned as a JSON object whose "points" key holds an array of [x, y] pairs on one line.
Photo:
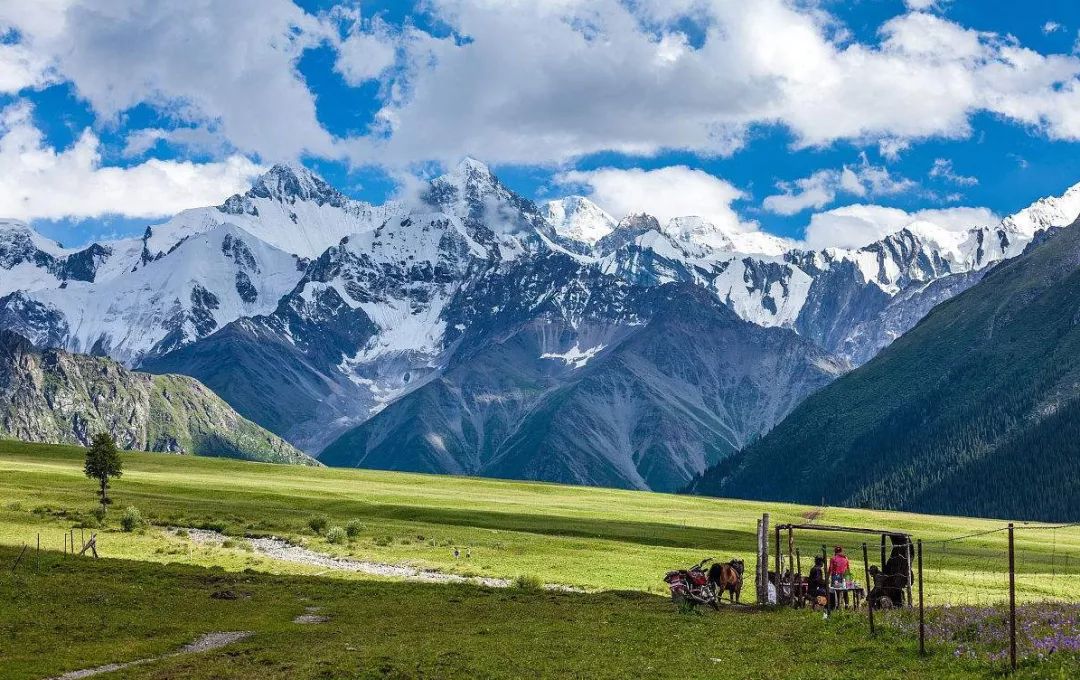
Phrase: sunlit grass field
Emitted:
{"points": [[67, 613], [586, 537]]}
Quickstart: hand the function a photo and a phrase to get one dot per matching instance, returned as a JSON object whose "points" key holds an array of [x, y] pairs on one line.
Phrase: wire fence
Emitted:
{"points": [[1001, 595]]}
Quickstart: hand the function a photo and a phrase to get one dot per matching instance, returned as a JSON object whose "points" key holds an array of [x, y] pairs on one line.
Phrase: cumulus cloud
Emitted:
{"points": [[228, 65], [21, 68], [542, 82], [1052, 27], [853, 226], [674, 191], [822, 187], [37, 181], [943, 169], [367, 51]]}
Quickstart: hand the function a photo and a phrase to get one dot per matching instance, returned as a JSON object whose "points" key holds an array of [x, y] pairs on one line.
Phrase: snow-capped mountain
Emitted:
{"points": [[313, 314], [579, 219]]}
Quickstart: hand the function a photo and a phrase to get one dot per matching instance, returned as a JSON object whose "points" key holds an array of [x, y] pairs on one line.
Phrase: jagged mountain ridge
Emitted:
{"points": [[51, 396], [398, 294]]}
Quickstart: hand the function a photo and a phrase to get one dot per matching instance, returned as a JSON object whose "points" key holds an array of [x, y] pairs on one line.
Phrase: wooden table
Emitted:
{"points": [[838, 592]]}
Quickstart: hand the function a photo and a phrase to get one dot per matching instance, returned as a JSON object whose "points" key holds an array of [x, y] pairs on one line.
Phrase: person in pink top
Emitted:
{"points": [[838, 569], [839, 565]]}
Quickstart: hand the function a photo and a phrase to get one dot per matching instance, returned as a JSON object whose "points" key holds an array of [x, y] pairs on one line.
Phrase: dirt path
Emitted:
{"points": [[276, 548], [204, 644]]}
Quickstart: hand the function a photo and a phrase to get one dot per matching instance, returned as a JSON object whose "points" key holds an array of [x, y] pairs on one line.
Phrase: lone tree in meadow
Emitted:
{"points": [[103, 461]]}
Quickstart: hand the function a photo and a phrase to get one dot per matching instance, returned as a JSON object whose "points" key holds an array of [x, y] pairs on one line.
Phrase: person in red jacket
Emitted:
{"points": [[838, 569]]}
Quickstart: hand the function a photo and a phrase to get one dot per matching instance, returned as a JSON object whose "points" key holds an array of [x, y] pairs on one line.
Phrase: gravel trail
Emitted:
{"points": [[204, 644], [278, 549]]}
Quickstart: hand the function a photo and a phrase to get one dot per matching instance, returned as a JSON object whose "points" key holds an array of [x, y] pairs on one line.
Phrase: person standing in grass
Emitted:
{"points": [[838, 569], [102, 462]]}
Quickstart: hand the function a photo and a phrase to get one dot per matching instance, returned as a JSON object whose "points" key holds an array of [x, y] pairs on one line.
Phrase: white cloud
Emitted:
{"points": [[542, 82], [922, 5], [821, 188], [230, 65], [37, 181], [192, 139], [815, 191], [1052, 27], [890, 148], [20, 68], [366, 52], [943, 169], [665, 193], [853, 226]]}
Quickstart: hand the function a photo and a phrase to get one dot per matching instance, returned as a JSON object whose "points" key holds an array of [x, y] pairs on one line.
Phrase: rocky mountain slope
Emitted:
{"points": [[52, 396], [973, 411], [311, 313]]}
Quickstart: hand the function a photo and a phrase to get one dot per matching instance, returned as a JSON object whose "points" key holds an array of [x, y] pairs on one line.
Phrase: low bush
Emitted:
{"points": [[318, 524], [353, 528], [132, 519], [528, 582], [337, 535]]}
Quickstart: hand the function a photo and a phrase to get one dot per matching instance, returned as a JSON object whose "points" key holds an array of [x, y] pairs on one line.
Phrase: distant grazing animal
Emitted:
{"points": [[727, 577]]}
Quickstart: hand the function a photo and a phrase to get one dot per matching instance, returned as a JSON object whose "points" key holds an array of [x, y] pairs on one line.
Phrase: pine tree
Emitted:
{"points": [[102, 462]]}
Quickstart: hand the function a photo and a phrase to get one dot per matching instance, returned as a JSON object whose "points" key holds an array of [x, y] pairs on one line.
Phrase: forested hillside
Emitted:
{"points": [[974, 411]]}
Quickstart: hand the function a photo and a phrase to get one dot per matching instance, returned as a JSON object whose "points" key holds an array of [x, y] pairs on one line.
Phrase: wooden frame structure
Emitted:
{"points": [[793, 594]]}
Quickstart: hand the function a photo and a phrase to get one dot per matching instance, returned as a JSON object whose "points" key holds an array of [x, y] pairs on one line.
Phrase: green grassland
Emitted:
{"points": [[69, 613]]}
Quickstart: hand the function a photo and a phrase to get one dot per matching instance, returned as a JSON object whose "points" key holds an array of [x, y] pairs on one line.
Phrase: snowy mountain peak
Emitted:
{"points": [[579, 219], [287, 183], [1050, 211], [12, 231], [700, 232]]}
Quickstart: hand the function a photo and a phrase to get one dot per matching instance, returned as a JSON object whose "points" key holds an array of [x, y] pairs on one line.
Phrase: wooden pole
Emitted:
{"points": [[778, 567], [869, 604], [883, 558], [19, 558], [922, 616], [757, 566], [798, 570], [791, 564], [910, 548], [65, 543], [1012, 600], [765, 558]]}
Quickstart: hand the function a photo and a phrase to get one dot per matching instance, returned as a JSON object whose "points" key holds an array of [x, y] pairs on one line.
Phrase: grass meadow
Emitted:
{"points": [[155, 590]]}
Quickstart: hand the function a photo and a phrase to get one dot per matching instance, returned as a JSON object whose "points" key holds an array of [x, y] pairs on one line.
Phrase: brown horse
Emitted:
{"points": [[727, 577]]}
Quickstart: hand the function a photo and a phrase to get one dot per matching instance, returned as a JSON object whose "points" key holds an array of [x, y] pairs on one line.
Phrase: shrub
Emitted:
{"points": [[383, 541], [182, 533], [528, 582], [90, 522], [336, 535], [318, 524], [99, 514], [132, 519], [353, 528], [214, 525]]}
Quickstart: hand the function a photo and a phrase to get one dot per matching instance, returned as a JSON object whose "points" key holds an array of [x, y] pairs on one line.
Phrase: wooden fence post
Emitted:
{"points": [[1012, 601], [791, 564], [922, 619], [757, 565], [869, 603], [765, 558]]}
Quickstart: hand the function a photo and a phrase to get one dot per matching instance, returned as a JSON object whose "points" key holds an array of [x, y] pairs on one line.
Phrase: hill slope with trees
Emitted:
{"points": [[52, 396], [974, 411]]}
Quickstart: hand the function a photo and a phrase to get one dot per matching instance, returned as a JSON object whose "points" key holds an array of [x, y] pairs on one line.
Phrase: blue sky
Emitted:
{"points": [[770, 115]]}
